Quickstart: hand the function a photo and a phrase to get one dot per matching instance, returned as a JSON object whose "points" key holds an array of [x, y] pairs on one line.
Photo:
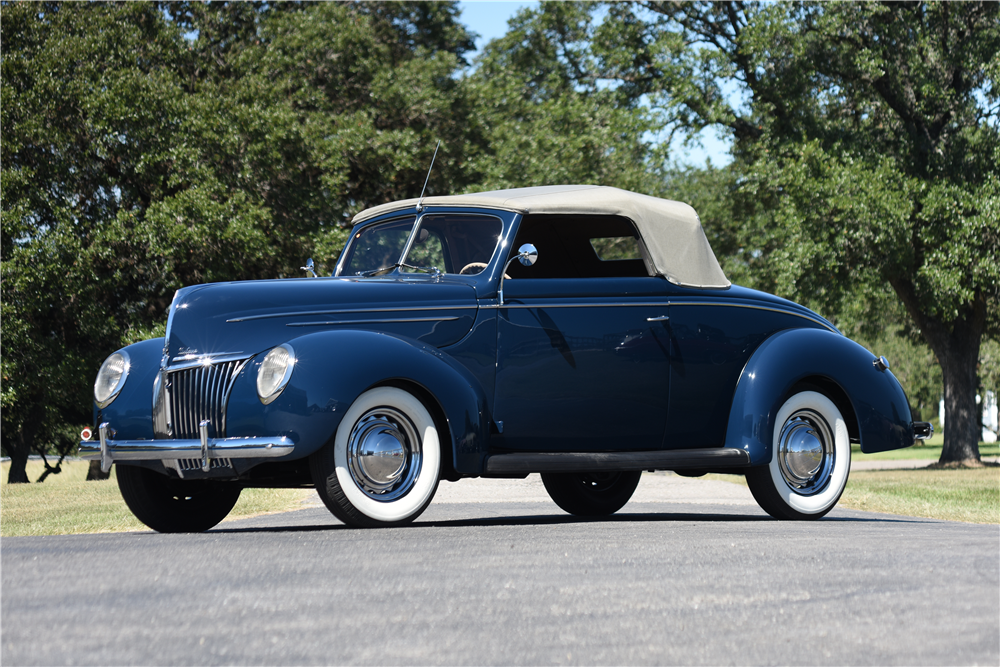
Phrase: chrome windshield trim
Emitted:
{"points": [[411, 239], [348, 311], [385, 321], [154, 450]]}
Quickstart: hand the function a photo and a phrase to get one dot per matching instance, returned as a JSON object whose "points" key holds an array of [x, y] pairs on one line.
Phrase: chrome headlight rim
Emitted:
{"points": [[119, 383], [266, 394]]}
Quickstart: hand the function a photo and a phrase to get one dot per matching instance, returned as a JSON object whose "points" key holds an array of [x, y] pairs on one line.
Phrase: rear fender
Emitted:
{"points": [[333, 368], [821, 358]]}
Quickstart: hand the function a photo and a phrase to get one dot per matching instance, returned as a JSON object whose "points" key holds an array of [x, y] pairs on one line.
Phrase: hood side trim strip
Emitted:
{"points": [[385, 321], [347, 311]]}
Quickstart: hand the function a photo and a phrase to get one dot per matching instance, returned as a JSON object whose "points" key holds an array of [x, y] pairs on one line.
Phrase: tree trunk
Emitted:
{"points": [[956, 346], [18, 473], [962, 420], [24, 440]]}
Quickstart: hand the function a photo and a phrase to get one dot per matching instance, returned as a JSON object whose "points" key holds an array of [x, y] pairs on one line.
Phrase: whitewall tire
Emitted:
{"points": [[382, 467], [810, 459]]}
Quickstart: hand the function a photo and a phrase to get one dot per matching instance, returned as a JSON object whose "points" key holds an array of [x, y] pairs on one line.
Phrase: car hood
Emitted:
{"points": [[240, 319]]}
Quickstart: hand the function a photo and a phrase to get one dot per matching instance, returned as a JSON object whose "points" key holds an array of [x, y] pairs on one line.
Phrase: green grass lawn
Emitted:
{"points": [[971, 494], [929, 449], [67, 504]]}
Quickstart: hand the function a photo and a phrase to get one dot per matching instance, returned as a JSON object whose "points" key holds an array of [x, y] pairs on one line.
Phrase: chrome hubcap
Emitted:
{"points": [[805, 452], [383, 454]]}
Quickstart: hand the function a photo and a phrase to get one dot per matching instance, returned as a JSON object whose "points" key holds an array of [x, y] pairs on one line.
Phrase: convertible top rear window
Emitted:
{"points": [[575, 246]]}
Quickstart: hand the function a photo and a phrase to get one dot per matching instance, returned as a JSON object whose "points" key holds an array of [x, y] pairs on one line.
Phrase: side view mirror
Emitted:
{"points": [[310, 268], [527, 255]]}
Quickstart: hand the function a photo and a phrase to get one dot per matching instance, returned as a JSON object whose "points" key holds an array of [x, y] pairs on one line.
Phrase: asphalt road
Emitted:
{"points": [[493, 573]]}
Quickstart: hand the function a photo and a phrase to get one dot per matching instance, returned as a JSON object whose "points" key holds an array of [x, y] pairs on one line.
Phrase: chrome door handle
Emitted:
{"points": [[661, 318]]}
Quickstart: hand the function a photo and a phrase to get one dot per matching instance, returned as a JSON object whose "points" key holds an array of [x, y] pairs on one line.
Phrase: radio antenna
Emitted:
{"points": [[419, 207]]}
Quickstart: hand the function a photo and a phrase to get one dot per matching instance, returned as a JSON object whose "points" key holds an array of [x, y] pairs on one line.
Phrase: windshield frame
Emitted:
{"points": [[394, 269]]}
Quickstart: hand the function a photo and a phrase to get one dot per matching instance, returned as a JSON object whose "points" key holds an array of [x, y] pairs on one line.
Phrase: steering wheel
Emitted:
{"points": [[472, 268]]}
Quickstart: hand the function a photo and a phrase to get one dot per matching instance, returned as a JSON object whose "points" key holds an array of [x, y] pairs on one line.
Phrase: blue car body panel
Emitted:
{"points": [[815, 357], [131, 412], [330, 374]]}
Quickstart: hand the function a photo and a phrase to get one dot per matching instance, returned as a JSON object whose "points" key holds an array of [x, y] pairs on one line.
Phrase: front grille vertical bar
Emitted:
{"points": [[212, 407], [204, 405], [189, 395], [201, 393]]}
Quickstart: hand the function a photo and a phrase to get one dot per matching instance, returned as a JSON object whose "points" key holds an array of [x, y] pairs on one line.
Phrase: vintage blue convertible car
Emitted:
{"points": [[608, 343]]}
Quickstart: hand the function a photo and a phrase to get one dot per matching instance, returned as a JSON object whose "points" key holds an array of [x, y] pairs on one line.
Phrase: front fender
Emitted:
{"points": [[129, 414], [333, 368], [802, 355]]}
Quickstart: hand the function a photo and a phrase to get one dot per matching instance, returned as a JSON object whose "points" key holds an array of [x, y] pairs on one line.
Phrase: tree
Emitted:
{"points": [[541, 124], [147, 146], [867, 145]]}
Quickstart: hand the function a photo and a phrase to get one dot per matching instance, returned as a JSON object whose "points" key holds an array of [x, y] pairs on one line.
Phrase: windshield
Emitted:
{"points": [[439, 243]]}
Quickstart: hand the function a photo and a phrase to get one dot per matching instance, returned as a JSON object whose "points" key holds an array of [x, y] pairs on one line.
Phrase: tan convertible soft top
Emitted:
{"points": [[672, 232]]}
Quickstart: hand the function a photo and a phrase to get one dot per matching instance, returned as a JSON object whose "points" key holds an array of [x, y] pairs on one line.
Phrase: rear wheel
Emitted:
{"points": [[591, 493], [175, 506], [810, 460], [382, 467]]}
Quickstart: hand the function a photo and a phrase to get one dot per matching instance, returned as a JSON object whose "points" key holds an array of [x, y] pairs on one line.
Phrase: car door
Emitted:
{"points": [[582, 365]]}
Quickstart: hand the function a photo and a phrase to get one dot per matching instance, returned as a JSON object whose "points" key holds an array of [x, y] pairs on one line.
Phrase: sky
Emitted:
{"points": [[489, 19]]}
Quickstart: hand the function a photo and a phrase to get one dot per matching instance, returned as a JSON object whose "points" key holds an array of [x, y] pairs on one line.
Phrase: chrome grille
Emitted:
{"points": [[198, 393]]}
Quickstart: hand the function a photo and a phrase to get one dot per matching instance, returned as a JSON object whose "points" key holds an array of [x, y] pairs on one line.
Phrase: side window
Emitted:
{"points": [[456, 242], [581, 247]]}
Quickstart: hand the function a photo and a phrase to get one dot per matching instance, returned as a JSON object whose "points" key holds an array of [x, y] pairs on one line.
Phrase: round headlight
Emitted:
{"points": [[111, 378], [274, 373]]}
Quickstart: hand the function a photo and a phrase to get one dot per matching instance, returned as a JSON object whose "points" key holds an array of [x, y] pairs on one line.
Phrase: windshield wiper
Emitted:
{"points": [[388, 269], [377, 272]]}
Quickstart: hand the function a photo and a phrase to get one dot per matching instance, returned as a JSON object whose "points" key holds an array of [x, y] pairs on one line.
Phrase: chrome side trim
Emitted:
{"points": [[385, 321], [109, 450], [654, 304], [347, 311], [609, 304], [783, 311]]}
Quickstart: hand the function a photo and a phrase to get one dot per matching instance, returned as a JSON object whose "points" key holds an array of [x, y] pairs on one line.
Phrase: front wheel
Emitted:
{"points": [[382, 467], [593, 493], [810, 460], [175, 506]]}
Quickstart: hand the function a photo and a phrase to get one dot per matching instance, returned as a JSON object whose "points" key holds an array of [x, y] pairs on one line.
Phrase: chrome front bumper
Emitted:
{"points": [[204, 449], [922, 430]]}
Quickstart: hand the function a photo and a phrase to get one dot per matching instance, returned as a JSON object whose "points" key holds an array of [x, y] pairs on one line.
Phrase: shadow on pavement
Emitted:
{"points": [[548, 520]]}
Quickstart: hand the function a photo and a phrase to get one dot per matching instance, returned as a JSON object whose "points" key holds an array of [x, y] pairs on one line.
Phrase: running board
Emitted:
{"points": [[716, 458]]}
